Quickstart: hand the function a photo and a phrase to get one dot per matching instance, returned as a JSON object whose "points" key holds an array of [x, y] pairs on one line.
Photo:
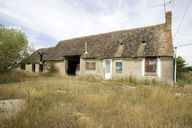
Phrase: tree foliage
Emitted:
{"points": [[189, 68], [13, 48], [182, 68], [180, 64]]}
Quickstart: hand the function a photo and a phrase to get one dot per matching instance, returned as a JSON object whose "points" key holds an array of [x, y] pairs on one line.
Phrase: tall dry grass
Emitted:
{"points": [[184, 79], [16, 76], [76, 102]]}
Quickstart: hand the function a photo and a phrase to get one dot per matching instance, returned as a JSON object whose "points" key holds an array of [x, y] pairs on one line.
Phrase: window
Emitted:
{"points": [[118, 67], [150, 66], [90, 66]]}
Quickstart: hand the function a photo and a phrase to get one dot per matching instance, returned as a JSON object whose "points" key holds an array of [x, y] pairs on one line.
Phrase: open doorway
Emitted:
{"points": [[22, 66], [33, 67], [73, 65], [40, 67]]}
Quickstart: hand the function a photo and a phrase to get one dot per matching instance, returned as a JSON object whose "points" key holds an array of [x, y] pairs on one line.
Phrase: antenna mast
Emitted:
{"points": [[164, 6]]}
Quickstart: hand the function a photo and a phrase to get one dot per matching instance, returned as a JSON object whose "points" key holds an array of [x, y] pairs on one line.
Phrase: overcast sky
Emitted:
{"points": [[45, 22]]}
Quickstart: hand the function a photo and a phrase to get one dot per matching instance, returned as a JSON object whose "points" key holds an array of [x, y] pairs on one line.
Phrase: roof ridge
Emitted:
{"points": [[45, 48], [105, 33]]}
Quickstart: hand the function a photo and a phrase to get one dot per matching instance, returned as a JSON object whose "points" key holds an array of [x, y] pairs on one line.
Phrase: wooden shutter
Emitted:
{"points": [[90, 66], [150, 65]]}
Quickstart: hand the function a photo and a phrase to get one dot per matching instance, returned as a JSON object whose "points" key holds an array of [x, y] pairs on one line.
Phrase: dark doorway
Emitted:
{"points": [[40, 67], [22, 66], [41, 62], [33, 67], [73, 64]]}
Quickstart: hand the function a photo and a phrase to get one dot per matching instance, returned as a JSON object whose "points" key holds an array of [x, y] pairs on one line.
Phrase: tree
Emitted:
{"points": [[13, 48], [181, 66]]}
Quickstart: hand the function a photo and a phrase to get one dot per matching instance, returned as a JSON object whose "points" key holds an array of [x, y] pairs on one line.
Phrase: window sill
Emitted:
{"points": [[151, 74], [118, 72]]}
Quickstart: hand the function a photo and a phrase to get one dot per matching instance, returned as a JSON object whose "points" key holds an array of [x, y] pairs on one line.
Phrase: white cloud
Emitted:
{"points": [[63, 19]]}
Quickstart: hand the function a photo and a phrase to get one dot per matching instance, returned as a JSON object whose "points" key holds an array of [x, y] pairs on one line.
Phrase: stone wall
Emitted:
{"points": [[97, 72], [61, 66], [131, 67], [28, 67]]}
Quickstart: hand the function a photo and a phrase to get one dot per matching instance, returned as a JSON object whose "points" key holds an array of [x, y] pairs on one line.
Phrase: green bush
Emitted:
{"points": [[52, 69]]}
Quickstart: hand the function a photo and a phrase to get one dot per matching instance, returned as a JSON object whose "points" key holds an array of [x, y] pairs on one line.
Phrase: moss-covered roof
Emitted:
{"points": [[140, 42], [35, 56]]}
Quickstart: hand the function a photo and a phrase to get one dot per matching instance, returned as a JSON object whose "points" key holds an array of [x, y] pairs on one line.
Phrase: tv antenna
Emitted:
{"points": [[164, 4]]}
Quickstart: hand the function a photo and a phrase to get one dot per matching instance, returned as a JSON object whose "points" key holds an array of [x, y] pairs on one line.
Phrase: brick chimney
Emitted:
{"points": [[168, 20]]}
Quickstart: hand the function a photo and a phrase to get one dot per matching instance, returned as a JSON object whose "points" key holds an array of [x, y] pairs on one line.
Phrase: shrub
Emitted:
{"points": [[52, 69]]}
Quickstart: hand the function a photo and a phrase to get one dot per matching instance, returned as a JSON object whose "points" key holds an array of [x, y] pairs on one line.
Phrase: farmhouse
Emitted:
{"points": [[145, 52]]}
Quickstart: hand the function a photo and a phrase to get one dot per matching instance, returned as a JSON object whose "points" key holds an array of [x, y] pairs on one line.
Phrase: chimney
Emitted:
{"points": [[168, 20]]}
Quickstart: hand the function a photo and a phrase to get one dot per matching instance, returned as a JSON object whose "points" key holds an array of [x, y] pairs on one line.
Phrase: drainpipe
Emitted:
{"points": [[175, 66], [86, 47], [175, 59]]}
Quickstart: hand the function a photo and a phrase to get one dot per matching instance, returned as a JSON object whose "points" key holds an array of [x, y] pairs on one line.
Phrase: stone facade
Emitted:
{"points": [[28, 67], [130, 67], [143, 53], [97, 72]]}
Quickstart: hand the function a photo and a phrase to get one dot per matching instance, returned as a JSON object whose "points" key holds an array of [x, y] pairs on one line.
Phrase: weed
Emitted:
{"points": [[79, 102]]}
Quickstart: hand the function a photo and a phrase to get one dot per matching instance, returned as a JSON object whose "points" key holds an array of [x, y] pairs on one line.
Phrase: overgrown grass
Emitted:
{"points": [[184, 79], [131, 80], [16, 76], [79, 102]]}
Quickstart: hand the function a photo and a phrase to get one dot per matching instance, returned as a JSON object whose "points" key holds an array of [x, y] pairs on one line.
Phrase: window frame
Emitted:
{"points": [[153, 60], [119, 61], [90, 69]]}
